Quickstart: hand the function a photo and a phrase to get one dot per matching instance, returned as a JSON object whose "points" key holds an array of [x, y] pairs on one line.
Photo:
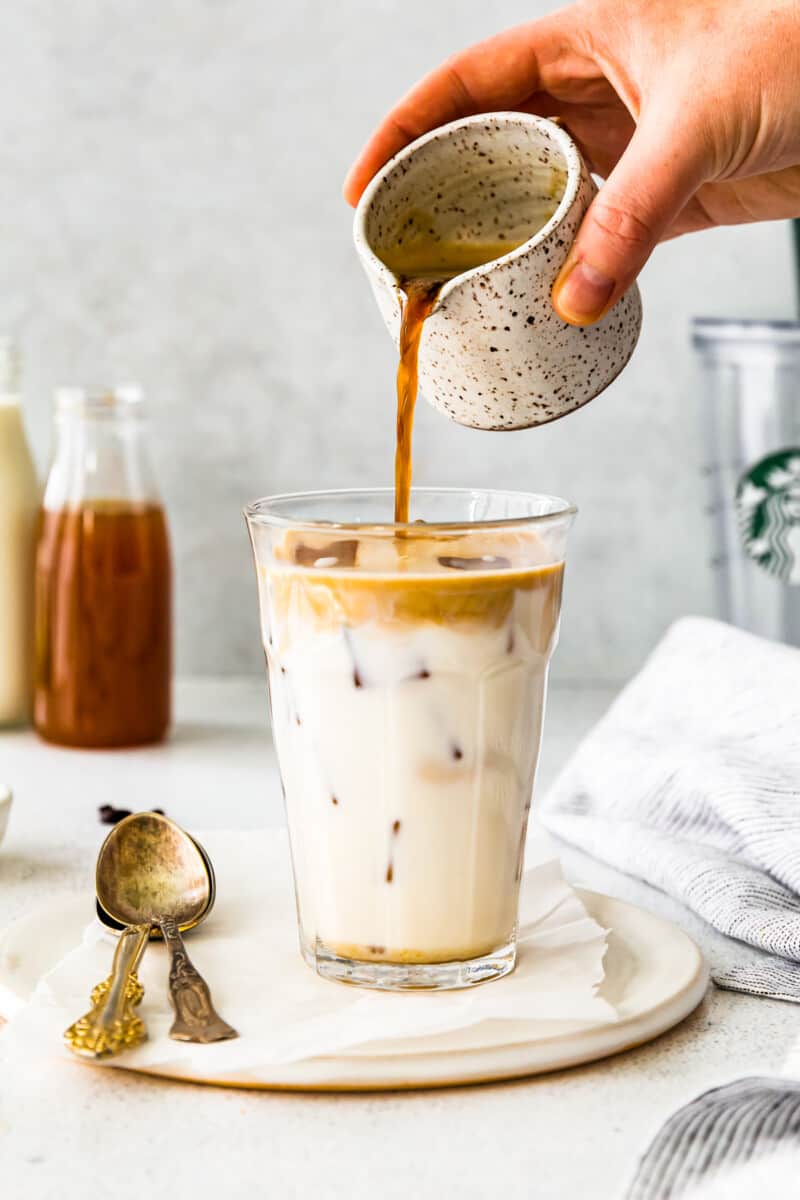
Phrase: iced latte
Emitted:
{"points": [[407, 671]]}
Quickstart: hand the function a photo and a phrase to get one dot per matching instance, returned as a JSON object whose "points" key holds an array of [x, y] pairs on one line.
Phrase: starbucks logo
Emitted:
{"points": [[768, 508]]}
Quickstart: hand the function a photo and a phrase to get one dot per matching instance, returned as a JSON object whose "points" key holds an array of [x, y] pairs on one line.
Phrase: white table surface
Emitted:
{"points": [[69, 1132]]}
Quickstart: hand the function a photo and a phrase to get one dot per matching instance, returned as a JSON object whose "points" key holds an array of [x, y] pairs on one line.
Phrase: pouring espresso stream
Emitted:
{"points": [[422, 271]]}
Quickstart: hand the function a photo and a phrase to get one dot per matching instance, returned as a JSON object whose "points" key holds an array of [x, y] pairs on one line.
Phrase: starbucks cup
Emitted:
{"points": [[751, 417]]}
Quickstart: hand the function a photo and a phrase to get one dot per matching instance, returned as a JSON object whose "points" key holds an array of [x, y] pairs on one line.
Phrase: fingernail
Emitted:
{"points": [[581, 296]]}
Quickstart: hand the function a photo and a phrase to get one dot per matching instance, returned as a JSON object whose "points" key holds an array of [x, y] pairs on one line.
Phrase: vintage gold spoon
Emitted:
{"points": [[111, 1025], [150, 872]]}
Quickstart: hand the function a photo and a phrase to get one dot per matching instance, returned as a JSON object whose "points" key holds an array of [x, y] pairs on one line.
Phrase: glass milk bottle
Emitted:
{"points": [[103, 579], [19, 502]]}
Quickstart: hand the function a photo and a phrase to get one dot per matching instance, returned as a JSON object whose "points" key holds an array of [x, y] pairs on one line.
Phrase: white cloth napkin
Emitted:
{"points": [[285, 1013], [691, 782]]}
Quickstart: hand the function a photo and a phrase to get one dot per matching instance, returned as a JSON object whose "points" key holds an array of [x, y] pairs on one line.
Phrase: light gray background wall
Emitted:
{"points": [[170, 209]]}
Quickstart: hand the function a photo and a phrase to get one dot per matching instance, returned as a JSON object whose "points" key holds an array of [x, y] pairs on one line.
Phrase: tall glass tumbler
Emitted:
{"points": [[407, 671], [751, 415]]}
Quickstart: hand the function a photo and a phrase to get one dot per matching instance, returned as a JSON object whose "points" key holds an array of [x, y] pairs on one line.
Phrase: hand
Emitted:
{"points": [[690, 109]]}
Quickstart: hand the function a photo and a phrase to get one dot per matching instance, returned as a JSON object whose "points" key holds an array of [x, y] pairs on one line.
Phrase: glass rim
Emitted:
{"points": [[260, 512], [711, 332], [119, 397]]}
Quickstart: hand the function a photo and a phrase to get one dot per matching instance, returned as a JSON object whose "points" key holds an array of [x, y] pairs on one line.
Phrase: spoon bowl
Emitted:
{"points": [[149, 867], [110, 922]]}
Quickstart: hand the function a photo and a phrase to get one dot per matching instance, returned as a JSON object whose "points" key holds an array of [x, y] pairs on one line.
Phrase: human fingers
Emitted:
{"points": [[654, 180]]}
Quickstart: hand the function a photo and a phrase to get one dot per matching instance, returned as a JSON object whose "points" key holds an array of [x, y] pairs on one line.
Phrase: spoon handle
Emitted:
{"points": [[111, 1025], [195, 1017]]}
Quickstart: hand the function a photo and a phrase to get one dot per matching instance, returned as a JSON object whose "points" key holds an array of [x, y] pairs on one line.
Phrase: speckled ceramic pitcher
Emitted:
{"points": [[494, 354]]}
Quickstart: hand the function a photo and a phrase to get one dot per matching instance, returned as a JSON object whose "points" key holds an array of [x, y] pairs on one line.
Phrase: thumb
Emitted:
{"points": [[652, 182]]}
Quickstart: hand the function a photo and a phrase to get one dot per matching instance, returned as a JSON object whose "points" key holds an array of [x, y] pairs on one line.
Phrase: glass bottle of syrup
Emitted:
{"points": [[103, 580]]}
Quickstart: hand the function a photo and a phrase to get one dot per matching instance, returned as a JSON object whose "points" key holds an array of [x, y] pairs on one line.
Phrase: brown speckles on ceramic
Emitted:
{"points": [[494, 354]]}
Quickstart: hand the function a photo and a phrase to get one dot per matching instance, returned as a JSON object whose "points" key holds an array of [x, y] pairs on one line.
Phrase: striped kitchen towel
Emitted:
{"points": [[691, 781], [731, 1143]]}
